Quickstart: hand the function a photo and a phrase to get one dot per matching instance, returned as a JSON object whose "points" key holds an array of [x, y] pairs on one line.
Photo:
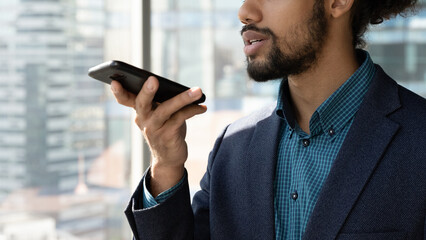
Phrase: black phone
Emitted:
{"points": [[133, 78]]}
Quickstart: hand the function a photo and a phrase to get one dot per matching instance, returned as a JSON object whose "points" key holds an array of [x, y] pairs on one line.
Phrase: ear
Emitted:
{"points": [[338, 8]]}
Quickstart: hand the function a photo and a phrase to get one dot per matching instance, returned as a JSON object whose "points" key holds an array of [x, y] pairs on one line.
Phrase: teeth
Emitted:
{"points": [[255, 41]]}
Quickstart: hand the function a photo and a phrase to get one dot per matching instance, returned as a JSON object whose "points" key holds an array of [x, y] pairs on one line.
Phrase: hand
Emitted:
{"points": [[164, 129]]}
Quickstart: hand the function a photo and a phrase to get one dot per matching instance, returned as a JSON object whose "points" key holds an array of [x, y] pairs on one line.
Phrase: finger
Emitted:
{"points": [[122, 96], [165, 110], [179, 118], [144, 100]]}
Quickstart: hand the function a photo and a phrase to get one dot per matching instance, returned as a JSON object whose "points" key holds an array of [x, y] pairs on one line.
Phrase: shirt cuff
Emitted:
{"points": [[149, 201]]}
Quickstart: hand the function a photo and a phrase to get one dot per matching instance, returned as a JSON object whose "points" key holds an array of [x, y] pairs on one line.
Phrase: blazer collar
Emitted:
{"points": [[365, 144]]}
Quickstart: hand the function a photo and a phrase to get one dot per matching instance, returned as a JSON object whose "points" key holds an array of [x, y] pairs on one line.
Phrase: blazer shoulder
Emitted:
{"points": [[409, 99], [250, 121], [389, 97], [237, 136], [412, 110]]}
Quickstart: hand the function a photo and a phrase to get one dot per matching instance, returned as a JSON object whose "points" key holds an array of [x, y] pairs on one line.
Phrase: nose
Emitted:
{"points": [[250, 12]]}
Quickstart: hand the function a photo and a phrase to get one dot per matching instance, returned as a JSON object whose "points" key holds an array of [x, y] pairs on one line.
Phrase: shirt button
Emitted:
{"points": [[306, 142], [331, 132], [294, 196]]}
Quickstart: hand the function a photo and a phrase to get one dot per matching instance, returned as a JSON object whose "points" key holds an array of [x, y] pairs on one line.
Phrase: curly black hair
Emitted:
{"points": [[366, 12]]}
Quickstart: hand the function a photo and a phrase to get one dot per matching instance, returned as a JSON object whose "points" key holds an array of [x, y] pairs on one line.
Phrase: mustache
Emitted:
{"points": [[252, 27]]}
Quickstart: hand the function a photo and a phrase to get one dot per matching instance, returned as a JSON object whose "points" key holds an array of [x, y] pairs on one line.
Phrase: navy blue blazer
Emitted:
{"points": [[376, 188]]}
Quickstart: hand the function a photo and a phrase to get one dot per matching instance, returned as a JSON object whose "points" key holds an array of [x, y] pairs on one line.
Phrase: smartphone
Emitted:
{"points": [[133, 78]]}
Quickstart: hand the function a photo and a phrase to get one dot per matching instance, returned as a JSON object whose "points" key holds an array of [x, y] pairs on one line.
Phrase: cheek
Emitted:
{"points": [[282, 16]]}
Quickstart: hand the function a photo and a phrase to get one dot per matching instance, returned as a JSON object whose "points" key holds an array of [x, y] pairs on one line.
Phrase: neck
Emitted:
{"points": [[310, 89]]}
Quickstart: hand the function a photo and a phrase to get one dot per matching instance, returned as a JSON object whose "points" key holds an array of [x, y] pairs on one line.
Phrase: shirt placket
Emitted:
{"points": [[296, 191]]}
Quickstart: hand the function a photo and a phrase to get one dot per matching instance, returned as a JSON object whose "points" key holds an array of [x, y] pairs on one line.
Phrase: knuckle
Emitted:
{"points": [[141, 121], [141, 103], [138, 105]]}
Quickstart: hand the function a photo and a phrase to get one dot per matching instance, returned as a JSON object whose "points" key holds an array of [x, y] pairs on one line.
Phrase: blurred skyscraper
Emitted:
{"points": [[50, 112], [56, 122]]}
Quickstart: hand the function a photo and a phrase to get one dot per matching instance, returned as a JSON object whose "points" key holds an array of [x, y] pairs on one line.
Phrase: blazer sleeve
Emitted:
{"points": [[172, 219], [201, 202], [175, 218]]}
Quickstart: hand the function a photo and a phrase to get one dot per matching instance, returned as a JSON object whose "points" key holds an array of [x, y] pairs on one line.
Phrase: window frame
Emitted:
{"points": [[141, 43]]}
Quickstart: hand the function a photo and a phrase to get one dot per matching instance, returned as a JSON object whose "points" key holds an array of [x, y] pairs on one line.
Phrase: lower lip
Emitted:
{"points": [[252, 49]]}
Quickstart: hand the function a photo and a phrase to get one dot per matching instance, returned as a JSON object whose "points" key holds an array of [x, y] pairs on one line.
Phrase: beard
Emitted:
{"points": [[303, 49]]}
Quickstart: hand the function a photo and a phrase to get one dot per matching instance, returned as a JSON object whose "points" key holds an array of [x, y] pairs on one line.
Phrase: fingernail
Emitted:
{"points": [[194, 92], [150, 85]]}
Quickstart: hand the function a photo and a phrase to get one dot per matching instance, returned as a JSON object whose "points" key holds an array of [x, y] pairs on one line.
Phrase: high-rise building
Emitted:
{"points": [[57, 158], [50, 112]]}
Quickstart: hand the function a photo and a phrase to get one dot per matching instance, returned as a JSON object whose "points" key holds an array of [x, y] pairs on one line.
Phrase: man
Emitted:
{"points": [[339, 157]]}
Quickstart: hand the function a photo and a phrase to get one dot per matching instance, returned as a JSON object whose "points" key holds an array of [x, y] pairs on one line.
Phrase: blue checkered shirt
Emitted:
{"points": [[304, 161]]}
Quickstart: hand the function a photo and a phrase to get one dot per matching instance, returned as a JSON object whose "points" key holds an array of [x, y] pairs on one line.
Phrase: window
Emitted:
{"points": [[64, 141]]}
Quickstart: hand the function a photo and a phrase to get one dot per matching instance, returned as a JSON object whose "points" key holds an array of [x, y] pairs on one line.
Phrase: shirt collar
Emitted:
{"points": [[284, 107], [333, 114]]}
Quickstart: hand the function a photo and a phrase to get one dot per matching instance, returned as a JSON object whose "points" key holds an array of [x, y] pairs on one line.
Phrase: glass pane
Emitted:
{"points": [[198, 44], [64, 142]]}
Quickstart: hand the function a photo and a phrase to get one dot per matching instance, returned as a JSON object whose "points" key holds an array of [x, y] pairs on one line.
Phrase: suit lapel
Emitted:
{"points": [[260, 171], [365, 144]]}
